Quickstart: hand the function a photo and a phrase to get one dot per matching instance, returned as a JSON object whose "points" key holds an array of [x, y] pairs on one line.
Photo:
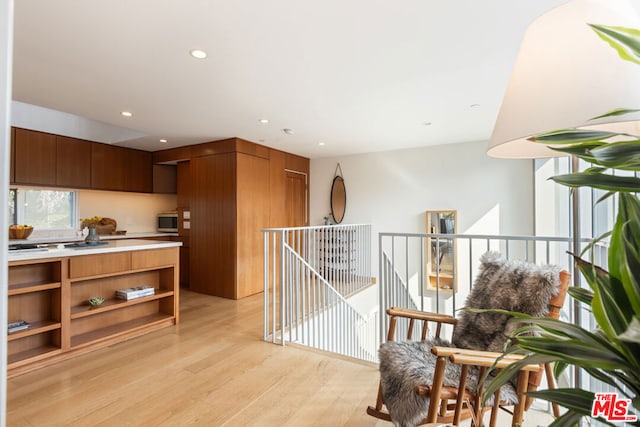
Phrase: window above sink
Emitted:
{"points": [[44, 209]]}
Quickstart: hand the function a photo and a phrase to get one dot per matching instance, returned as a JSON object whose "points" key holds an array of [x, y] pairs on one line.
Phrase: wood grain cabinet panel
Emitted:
{"points": [[35, 157], [73, 158], [138, 171], [107, 167], [213, 215], [165, 179]]}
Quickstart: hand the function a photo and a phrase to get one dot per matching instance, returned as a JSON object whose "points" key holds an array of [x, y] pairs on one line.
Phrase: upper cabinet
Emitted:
{"points": [[39, 158], [121, 169], [35, 157], [73, 161], [107, 167]]}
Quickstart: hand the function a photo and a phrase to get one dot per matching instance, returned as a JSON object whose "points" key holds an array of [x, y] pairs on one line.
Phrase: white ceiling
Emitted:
{"points": [[358, 75]]}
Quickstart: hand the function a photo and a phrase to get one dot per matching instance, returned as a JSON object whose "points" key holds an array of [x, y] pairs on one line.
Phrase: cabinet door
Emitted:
{"points": [[212, 254], [252, 212], [107, 167], [35, 157], [138, 172], [74, 162], [165, 179]]}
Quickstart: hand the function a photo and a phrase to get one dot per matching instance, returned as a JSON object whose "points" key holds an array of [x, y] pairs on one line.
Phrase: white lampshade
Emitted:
{"points": [[565, 75]]}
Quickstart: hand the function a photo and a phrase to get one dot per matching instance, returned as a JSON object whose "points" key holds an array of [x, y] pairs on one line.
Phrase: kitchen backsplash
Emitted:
{"points": [[134, 212]]}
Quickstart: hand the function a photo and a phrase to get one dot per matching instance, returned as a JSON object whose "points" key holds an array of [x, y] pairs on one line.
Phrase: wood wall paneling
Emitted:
{"points": [[253, 203], [213, 219], [73, 158], [35, 157], [184, 185], [277, 180]]}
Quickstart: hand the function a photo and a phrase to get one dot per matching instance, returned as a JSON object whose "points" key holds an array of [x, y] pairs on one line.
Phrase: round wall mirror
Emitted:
{"points": [[338, 199]]}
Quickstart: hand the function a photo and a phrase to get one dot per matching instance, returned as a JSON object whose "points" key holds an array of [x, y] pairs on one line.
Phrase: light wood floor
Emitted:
{"points": [[211, 370]]}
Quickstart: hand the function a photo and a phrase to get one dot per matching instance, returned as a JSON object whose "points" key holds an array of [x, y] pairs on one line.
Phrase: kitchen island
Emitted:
{"points": [[50, 288]]}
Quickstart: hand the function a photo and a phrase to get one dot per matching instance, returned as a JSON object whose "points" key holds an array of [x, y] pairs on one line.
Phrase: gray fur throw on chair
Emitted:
{"points": [[500, 284]]}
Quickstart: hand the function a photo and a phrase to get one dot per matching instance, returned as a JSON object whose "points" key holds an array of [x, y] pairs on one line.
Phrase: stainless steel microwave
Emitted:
{"points": [[167, 222]]}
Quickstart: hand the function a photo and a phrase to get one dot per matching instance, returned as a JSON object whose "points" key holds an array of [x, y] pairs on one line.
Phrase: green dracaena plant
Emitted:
{"points": [[611, 352]]}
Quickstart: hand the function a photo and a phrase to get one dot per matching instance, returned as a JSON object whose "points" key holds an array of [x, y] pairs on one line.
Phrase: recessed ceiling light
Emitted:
{"points": [[321, 144], [427, 123], [474, 105], [163, 140], [264, 121], [288, 131], [126, 113], [198, 53]]}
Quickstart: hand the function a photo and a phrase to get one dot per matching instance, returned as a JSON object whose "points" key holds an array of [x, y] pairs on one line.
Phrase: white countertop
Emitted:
{"points": [[69, 239], [53, 251]]}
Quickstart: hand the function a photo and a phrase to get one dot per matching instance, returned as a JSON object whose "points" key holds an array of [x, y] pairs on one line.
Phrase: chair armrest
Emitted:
{"points": [[448, 351], [421, 315], [488, 359]]}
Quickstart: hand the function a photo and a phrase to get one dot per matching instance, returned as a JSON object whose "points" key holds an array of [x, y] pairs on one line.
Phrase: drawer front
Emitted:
{"points": [[95, 265], [154, 258]]}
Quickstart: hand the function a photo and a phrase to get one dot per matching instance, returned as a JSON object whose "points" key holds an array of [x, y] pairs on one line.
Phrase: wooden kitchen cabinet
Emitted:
{"points": [[35, 158], [34, 294], [138, 171], [165, 179], [229, 208], [51, 294], [107, 167], [73, 160], [121, 169]]}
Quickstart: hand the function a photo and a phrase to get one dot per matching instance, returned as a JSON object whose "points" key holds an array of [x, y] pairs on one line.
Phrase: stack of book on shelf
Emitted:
{"points": [[20, 325], [133, 293]]}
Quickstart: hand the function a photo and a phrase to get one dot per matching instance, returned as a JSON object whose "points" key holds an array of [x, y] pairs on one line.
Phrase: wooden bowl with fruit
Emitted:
{"points": [[19, 232]]}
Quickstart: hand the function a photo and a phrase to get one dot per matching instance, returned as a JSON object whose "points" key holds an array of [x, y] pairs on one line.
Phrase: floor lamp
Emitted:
{"points": [[565, 75]]}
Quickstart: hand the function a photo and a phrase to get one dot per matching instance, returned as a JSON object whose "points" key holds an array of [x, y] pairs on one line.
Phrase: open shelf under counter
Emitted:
{"points": [[131, 327], [32, 355], [35, 328], [24, 288], [50, 290], [115, 304]]}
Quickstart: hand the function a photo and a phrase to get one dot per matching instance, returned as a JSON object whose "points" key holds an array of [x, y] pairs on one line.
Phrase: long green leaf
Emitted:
{"points": [[599, 181], [572, 136], [624, 155], [616, 112], [577, 400], [625, 244], [626, 41], [581, 150], [581, 294], [632, 334]]}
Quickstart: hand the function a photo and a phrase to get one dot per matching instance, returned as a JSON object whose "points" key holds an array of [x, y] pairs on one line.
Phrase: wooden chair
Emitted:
{"points": [[452, 404]]}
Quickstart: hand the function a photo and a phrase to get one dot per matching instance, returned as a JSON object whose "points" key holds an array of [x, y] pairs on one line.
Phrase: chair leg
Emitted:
{"points": [[518, 410], [495, 408], [436, 389], [551, 383]]}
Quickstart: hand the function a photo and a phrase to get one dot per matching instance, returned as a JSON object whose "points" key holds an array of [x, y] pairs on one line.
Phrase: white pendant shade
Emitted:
{"points": [[565, 75]]}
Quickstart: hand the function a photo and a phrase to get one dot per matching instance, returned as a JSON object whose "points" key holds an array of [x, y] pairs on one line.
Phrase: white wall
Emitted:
{"points": [[393, 189], [6, 47]]}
